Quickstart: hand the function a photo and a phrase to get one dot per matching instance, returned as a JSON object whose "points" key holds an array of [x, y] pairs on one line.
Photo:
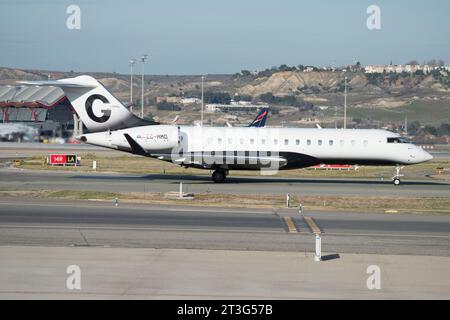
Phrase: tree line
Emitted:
{"points": [[415, 128]]}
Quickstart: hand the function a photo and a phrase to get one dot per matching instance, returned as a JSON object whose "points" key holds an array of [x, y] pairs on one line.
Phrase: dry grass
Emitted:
{"points": [[136, 164], [438, 205]]}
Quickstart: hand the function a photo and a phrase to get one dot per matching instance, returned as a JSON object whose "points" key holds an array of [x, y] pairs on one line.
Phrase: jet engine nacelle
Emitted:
{"points": [[157, 137], [150, 138]]}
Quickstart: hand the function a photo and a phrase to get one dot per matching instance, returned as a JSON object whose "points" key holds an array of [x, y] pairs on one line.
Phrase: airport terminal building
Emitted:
{"points": [[44, 108]]}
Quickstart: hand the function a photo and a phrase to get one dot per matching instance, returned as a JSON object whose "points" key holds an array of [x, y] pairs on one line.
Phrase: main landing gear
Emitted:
{"points": [[397, 176], [219, 175]]}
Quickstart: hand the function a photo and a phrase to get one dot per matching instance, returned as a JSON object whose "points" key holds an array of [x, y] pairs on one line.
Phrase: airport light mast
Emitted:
{"points": [[143, 59], [132, 62], [406, 125], [201, 121], [345, 104]]}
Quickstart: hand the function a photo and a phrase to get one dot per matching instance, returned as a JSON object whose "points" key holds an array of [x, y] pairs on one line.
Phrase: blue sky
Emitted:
{"points": [[209, 36]]}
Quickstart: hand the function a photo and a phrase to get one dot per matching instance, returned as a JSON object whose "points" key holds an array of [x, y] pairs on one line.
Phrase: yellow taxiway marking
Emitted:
{"points": [[312, 225], [290, 224]]}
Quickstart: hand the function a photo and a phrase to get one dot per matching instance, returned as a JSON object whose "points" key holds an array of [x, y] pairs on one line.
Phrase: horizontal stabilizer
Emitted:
{"points": [[58, 83]]}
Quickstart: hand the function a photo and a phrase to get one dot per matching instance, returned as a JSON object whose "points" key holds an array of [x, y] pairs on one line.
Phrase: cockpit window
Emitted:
{"points": [[398, 140]]}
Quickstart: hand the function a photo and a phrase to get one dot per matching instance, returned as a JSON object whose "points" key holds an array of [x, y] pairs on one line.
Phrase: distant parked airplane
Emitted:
{"points": [[260, 120], [14, 131]]}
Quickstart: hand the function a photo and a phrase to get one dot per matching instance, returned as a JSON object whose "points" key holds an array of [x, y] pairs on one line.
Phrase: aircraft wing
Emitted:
{"points": [[136, 148]]}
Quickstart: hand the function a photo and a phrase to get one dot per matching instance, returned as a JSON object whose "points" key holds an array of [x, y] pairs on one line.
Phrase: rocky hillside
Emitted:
{"points": [[291, 83], [326, 88]]}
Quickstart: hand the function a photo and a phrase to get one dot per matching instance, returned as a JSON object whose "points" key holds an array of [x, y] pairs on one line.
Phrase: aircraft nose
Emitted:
{"points": [[424, 156], [428, 156], [418, 155]]}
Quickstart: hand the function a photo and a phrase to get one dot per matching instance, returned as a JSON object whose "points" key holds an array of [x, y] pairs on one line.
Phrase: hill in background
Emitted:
{"points": [[296, 97]]}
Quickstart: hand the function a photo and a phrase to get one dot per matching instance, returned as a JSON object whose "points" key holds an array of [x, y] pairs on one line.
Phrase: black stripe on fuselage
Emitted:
{"points": [[245, 160]]}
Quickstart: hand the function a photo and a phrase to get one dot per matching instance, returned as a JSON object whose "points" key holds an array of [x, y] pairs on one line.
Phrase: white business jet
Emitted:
{"points": [[222, 149]]}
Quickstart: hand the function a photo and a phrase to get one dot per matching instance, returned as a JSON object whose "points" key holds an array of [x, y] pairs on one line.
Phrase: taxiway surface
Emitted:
{"points": [[32, 222], [11, 178]]}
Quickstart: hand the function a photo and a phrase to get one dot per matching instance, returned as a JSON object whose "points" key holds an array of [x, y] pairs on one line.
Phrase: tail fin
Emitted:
{"points": [[99, 109], [260, 120]]}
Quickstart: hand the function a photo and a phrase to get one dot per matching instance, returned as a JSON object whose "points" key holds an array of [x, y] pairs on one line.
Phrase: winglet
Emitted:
{"points": [[136, 148]]}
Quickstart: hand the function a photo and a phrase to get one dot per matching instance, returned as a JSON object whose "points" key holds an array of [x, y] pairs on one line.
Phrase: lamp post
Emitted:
{"points": [[201, 121], [406, 126], [143, 59], [345, 105], [132, 62]]}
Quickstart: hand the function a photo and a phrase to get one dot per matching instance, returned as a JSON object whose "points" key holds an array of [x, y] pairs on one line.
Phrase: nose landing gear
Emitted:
{"points": [[219, 175], [396, 178]]}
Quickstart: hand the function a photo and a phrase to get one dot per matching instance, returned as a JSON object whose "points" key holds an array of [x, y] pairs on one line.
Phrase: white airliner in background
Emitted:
{"points": [[230, 148], [15, 131]]}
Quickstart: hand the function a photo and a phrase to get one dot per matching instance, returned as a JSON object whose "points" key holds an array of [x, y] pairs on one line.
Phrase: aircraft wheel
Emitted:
{"points": [[219, 176], [397, 182]]}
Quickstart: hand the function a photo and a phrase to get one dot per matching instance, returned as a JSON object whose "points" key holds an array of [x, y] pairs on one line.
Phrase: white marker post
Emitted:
{"points": [[94, 165], [181, 191], [318, 255], [288, 200]]}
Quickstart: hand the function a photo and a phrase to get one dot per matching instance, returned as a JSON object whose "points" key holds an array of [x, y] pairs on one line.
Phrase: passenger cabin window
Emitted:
{"points": [[219, 140], [319, 142], [286, 142], [252, 141], [342, 142], [331, 142], [353, 142], [242, 141], [308, 142], [297, 142], [230, 141], [366, 143], [398, 140], [263, 141], [275, 142]]}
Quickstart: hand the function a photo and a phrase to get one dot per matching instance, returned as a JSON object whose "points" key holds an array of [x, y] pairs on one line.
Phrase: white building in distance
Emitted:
{"points": [[191, 101], [400, 68], [214, 107]]}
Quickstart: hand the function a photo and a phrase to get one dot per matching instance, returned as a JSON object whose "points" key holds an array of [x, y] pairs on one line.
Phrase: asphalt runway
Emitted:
{"points": [[138, 273], [11, 178], [441, 155], [14, 150], [34, 222]]}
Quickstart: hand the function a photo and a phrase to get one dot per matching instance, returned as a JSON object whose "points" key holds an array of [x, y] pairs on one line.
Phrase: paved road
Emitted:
{"points": [[129, 273], [113, 182], [66, 223], [13, 150], [441, 155]]}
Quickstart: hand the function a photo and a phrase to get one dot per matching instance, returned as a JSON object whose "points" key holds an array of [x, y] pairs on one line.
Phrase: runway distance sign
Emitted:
{"points": [[63, 159]]}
